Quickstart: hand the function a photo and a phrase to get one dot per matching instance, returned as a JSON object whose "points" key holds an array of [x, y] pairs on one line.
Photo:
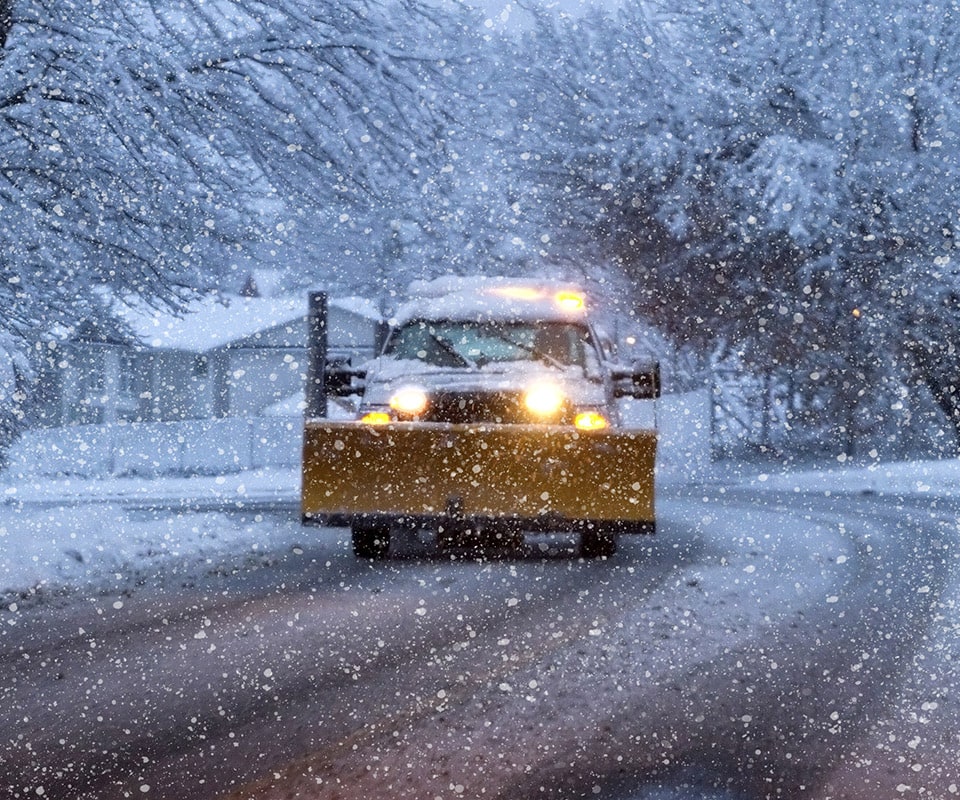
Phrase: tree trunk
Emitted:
{"points": [[936, 365], [946, 394], [6, 19]]}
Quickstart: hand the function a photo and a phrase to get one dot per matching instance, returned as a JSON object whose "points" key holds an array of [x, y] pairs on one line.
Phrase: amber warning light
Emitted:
{"points": [[567, 299], [570, 301], [518, 292]]}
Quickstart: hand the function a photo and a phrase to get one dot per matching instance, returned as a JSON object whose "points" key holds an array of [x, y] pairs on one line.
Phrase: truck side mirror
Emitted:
{"points": [[642, 382], [338, 377]]}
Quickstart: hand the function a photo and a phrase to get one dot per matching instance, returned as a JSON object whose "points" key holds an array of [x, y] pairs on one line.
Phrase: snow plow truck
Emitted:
{"points": [[491, 411]]}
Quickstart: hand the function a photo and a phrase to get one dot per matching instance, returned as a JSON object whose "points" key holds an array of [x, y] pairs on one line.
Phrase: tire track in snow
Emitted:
{"points": [[758, 683]]}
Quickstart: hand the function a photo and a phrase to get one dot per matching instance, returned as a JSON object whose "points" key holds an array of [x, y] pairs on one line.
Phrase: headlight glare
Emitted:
{"points": [[543, 399], [409, 401], [375, 418]]}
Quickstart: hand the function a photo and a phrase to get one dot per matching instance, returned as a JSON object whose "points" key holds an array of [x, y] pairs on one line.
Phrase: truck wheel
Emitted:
{"points": [[597, 545], [370, 541], [510, 537]]}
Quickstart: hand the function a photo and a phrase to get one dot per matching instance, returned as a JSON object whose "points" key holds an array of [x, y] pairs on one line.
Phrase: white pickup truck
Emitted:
{"points": [[490, 411]]}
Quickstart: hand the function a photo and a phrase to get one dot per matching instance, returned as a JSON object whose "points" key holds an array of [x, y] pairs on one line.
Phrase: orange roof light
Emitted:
{"points": [[565, 299], [569, 300], [375, 418], [517, 292]]}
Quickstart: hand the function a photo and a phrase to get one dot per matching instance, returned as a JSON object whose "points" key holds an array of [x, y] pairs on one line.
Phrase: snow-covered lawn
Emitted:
{"points": [[70, 532]]}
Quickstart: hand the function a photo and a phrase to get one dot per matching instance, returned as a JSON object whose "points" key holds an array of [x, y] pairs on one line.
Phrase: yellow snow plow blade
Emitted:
{"points": [[545, 477]]}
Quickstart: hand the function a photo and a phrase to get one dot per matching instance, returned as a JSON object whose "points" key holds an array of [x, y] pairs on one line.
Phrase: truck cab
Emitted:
{"points": [[491, 410]]}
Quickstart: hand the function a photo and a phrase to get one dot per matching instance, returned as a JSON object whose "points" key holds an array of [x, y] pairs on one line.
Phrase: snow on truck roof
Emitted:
{"points": [[492, 298]]}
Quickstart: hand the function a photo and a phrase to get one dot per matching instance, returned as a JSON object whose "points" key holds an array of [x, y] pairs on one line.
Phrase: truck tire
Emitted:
{"points": [[370, 540], [597, 545], [509, 537]]}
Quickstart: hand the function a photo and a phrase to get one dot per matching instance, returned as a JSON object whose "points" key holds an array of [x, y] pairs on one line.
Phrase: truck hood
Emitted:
{"points": [[386, 376]]}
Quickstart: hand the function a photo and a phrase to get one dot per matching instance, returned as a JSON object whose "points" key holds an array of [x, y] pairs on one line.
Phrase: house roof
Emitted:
{"points": [[218, 321]]}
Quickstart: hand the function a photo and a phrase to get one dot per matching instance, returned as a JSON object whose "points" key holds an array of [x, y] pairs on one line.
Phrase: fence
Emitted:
{"points": [[192, 447], [222, 446]]}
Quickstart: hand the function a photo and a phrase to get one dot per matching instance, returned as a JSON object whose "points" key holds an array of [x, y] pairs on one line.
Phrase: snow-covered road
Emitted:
{"points": [[756, 640]]}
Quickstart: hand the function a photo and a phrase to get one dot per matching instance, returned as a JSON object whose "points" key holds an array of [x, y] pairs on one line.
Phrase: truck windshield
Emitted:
{"points": [[466, 344]]}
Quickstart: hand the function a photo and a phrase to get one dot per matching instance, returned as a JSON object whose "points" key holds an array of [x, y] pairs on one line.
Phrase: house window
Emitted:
{"points": [[201, 367], [90, 379], [87, 406], [127, 383]]}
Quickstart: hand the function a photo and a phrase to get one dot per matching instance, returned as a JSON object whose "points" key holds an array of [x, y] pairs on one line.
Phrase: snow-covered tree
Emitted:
{"points": [[901, 106], [778, 180], [762, 170], [90, 196], [142, 142]]}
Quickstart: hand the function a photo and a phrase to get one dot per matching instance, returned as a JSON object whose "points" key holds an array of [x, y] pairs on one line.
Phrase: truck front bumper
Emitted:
{"points": [[536, 477]]}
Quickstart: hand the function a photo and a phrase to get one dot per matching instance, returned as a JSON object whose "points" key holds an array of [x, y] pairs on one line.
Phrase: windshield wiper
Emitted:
{"points": [[449, 349], [546, 358]]}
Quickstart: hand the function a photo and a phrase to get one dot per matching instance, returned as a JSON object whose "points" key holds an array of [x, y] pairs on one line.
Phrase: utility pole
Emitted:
{"points": [[316, 392]]}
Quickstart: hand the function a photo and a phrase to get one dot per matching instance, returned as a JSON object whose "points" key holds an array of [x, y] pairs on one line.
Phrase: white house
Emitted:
{"points": [[226, 356]]}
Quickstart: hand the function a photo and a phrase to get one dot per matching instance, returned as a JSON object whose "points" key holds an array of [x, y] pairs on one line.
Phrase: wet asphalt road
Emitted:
{"points": [[740, 652]]}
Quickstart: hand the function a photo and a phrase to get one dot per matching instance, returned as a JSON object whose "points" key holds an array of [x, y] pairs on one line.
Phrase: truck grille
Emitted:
{"points": [[504, 408]]}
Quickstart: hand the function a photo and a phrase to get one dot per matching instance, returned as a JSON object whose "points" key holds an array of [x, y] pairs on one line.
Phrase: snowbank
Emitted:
{"points": [[922, 478], [72, 531]]}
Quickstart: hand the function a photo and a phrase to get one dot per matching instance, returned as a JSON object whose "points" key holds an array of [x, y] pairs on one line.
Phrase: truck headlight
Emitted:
{"points": [[410, 401], [543, 399]]}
